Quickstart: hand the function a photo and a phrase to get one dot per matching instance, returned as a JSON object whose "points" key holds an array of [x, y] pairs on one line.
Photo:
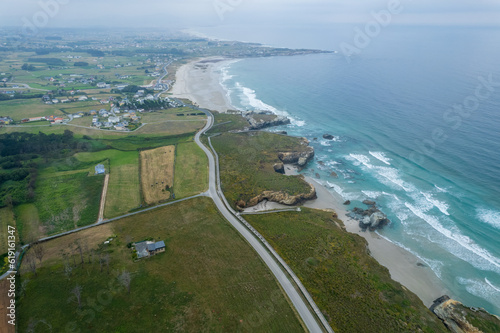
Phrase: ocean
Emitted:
{"points": [[416, 120]]}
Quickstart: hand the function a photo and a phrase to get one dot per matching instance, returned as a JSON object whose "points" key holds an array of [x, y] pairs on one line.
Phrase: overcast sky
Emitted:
{"points": [[193, 13]]}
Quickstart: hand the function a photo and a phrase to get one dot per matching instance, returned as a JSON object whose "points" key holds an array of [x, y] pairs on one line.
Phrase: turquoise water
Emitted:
{"points": [[405, 139]]}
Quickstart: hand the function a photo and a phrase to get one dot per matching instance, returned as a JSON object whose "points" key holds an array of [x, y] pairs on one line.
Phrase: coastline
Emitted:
{"points": [[201, 84], [199, 81]]}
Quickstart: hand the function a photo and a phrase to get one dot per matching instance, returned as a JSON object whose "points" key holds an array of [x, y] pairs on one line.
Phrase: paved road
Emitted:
{"points": [[307, 317]]}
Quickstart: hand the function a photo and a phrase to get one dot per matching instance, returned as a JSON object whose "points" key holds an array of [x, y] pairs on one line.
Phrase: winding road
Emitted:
{"points": [[296, 292], [260, 245]]}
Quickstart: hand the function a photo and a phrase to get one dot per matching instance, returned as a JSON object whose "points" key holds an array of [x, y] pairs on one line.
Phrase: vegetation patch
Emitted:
{"points": [[157, 173], [224, 122], [66, 202], [246, 165], [191, 170], [6, 220], [208, 280], [352, 289]]}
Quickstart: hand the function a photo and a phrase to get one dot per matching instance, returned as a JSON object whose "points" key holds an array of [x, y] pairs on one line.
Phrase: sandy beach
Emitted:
{"points": [[199, 82]]}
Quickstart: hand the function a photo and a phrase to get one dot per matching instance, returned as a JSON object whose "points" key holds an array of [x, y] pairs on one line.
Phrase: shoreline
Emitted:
{"points": [[199, 81], [201, 84]]}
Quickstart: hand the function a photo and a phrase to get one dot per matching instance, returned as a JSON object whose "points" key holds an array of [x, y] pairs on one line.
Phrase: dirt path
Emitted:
{"points": [[103, 198]]}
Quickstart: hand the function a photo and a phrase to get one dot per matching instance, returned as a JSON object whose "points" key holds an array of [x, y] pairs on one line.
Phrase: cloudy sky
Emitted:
{"points": [[212, 13]]}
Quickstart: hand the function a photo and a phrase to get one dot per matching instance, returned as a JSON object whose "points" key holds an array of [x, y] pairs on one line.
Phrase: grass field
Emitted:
{"points": [[191, 170], [28, 108], [157, 173], [6, 220], [170, 127], [208, 280], [246, 164], [66, 202], [28, 223], [352, 289], [224, 122], [123, 187]]}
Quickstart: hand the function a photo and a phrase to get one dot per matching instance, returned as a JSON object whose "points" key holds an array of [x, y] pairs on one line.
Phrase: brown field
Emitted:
{"points": [[4, 302], [157, 173], [89, 238]]}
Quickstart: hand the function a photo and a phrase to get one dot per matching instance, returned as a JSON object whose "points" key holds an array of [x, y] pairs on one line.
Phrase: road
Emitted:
{"points": [[26, 86], [272, 260], [264, 252]]}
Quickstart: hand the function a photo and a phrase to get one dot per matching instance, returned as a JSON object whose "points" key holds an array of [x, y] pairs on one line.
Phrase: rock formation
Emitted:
{"points": [[371, 218], [256, 124], [328, 136], [283, 198], [279, 168], [299, 158], [456, 316]]}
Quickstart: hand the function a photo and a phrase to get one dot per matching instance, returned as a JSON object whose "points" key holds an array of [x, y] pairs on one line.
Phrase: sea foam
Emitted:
{"points": [[489, 216], [381, 157], [249, 97], [464, 242]]}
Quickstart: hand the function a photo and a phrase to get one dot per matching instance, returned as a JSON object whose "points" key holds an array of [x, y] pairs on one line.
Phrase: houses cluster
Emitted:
{"points": [[110, 119], [6, 120]]}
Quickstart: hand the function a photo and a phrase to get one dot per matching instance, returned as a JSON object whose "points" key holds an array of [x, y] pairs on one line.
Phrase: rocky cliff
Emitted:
{"points": [[259, 123], [282, 197], [461, 319], [299, 158]]}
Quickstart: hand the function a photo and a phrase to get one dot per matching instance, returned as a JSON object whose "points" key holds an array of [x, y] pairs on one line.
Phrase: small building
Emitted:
{"points": [[114, 119], [149, 248], [99, 169]]}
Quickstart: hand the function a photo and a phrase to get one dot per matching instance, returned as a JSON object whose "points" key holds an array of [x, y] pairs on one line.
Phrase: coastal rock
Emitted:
{"points": [[376, 218], [347, 202], [279, 168], [334, 174], [371, 218], [328, 137], [256, 124], [300, 158], [369, 202], [302, 161], [282, 132], [317, 175], [456, 316], [283, 198]]}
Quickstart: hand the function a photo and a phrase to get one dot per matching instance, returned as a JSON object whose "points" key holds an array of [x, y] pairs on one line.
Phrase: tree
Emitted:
{"points": [[77, 291], [125, 279]]}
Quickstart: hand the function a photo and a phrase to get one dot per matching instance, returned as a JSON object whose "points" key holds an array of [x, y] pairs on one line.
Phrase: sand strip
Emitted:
{"points": [[199, 81]]}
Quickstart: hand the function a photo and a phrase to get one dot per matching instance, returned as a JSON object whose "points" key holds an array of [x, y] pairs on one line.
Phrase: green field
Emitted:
{"points": [[352, 289], [246, 164], [191, 170], [28, 223], [224, 122], [28, 108], [123, 187], [6, 220], [68, 201], [208, 280]]}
